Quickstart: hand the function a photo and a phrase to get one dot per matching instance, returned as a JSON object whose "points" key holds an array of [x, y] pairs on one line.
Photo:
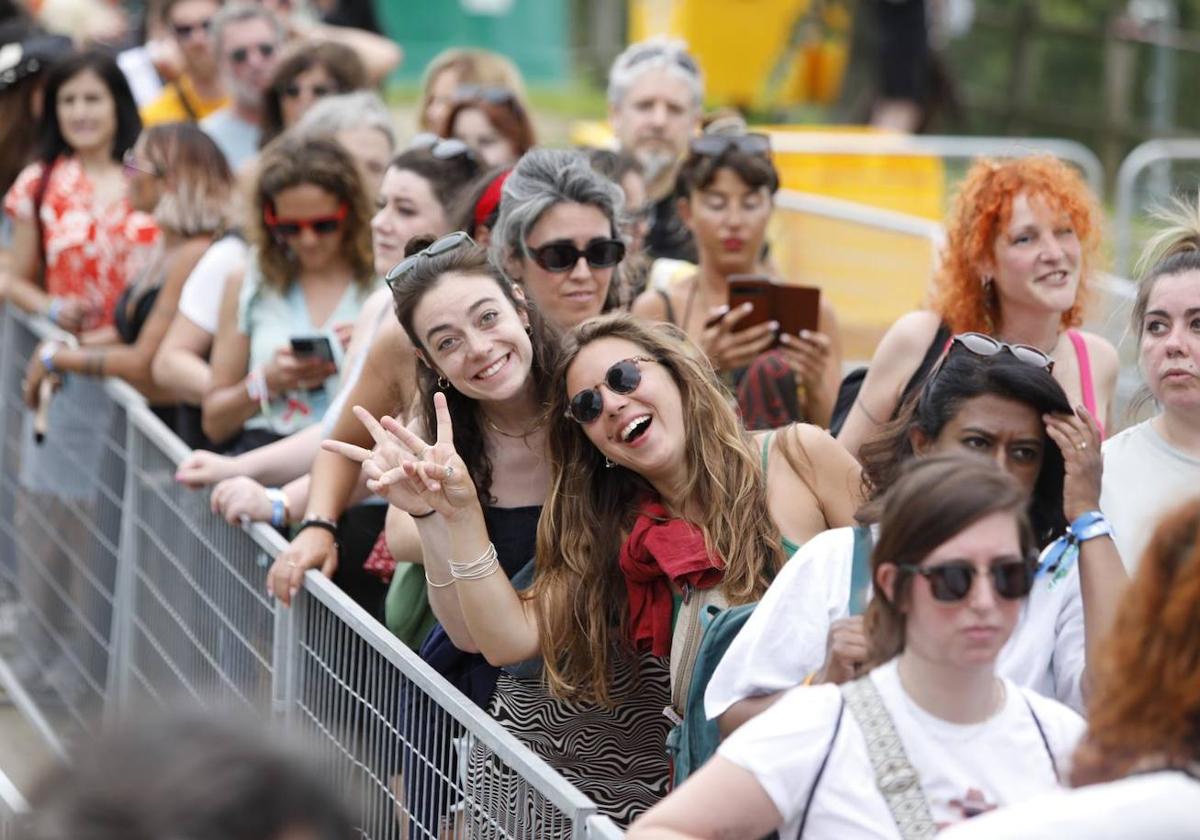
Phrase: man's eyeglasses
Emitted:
{"points": [[950, 582], [183, 31], [241, 54], [439, 148], [442, 245], [715, 145], [292, 227], [131, 167], [622, 378], [562, 254]]}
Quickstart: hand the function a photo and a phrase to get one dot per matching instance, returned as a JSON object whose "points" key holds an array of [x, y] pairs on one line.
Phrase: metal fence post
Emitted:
{"points": [[1143, 156], [117, 687]]}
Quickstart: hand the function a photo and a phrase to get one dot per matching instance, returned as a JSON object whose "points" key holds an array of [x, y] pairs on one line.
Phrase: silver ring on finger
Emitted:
{"points": [[1082, 445], [449, 471]]}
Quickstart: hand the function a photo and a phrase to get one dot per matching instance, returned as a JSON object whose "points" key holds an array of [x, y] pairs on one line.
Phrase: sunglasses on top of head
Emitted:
{"points": [[442, 149], [241, 54], [622, 377], [681, 59], [950, 582], [715, 145], [978, 344], [562, 255], [320, 225], [487, 93], [441, 245], [131, 166]]}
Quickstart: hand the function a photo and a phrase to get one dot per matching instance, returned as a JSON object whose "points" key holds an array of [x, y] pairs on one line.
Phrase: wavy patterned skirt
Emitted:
{"points": [[616, 756]]}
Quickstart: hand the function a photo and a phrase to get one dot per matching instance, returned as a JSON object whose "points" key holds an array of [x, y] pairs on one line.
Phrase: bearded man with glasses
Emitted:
{"points": [[246, 40]]}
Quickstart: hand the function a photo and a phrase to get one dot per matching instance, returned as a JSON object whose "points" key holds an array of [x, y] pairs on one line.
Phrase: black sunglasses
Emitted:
{"points": [[440, 246], [950, 582], [183, 31], [240, 55], [292, 91], [439, 148], [562, 255], [622, 378], [715, 145]]}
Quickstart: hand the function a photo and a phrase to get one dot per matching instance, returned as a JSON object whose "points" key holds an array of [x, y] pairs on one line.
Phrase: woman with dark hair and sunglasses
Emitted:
{"points": [[933, 722], [76, 239], [493, 122], [996, 400], [1136, 771], [655, 489], [302, 288], [305, 73], [725, 194]]}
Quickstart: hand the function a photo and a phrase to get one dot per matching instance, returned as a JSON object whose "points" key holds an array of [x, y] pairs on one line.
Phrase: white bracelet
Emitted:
{"points": [[256, 388], [479, 568], [428, 580]]}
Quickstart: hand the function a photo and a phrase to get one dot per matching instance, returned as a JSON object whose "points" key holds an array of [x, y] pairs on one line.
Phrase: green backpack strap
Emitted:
{"points": [[860, 569]]}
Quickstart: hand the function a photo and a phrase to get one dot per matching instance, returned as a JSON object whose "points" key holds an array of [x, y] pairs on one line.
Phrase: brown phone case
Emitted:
{"points": [[796, 308]]}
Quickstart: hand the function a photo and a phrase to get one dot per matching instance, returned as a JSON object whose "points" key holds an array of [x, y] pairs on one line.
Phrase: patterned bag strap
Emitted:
{"points": [[894, 774]]}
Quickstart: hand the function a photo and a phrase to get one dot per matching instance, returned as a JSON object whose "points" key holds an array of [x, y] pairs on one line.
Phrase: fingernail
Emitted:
{"points": [[746, 307], [775, 325], [805, 333]]}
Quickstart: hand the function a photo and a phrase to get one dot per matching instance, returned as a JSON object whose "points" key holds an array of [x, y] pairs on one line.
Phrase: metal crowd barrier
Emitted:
{"points": [[130, 593], [1162, 161]]}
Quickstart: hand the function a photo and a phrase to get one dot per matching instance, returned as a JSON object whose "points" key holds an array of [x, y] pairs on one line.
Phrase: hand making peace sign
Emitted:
{"points": [[413, 475]]}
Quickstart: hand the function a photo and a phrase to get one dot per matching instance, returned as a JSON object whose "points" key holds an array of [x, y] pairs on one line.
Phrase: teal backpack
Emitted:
{"points": [[694, 739]]}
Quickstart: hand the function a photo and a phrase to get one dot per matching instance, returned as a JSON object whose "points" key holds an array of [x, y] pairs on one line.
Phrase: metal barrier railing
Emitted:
{"points": [[127, 585], [1159, 155], [943, 147]]}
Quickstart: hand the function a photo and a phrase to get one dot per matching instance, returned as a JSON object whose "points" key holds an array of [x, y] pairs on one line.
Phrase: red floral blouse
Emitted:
{"points": [[91, 252]]}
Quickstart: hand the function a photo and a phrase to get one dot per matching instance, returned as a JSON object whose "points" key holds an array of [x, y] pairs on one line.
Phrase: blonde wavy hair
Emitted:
{"points": [[199, 191], [579, 593]]}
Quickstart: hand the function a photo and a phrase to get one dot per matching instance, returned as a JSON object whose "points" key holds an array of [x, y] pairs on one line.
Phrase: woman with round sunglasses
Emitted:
{"points": [[725, 191], [492, 121], [933, 722], [304, 74], [307, 279], [990, 399], [1021, 254], [650, 467], [1149, 467]]}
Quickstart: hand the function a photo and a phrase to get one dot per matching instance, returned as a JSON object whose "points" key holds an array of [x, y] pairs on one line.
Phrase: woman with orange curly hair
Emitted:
{"points": [[1138, 766], [1021, 249]]}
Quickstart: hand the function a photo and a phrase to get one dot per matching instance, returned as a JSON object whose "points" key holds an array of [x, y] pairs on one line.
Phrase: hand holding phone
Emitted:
{"points": [[313, 347], [796, 308]]}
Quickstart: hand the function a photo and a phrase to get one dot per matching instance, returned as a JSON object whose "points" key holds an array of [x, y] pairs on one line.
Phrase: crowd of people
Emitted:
{"points": [[499, 394]]}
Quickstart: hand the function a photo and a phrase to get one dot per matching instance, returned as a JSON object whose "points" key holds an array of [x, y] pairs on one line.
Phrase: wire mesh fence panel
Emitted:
{"points": [[60, 513], [414, 756], [201, 623]]}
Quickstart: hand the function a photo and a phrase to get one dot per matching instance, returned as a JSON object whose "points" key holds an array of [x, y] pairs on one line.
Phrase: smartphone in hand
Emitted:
{"points": [[312, 347]]}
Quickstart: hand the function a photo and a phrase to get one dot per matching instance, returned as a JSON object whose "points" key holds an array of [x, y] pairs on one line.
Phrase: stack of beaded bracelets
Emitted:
{"points": [[477, 569]]}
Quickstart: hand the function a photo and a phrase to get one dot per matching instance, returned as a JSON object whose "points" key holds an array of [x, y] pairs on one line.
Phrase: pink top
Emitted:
{"points": [[1085, 376]]}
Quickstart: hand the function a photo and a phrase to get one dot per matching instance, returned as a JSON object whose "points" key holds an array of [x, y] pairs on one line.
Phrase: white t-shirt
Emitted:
{"points": [[200, 299], [964, 769], [786, 636], [1144, 478], [1155, 806]]}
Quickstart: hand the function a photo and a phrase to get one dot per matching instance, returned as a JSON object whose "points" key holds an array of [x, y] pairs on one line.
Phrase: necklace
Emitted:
{"points": [[500, 431]]}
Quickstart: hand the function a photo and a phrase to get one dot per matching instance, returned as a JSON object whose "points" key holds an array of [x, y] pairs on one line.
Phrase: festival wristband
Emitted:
{"points": [[46, 357], [54, 310], [279, 506], [1090, 525], [318, 522]]}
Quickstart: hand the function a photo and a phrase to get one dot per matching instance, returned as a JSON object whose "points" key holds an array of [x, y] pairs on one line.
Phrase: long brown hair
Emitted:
{"points": [[579, 594], [933, 500], [1146, 703]]}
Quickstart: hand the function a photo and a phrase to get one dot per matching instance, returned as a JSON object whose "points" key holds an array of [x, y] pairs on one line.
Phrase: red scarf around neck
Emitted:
{"points": [[662, 550]]}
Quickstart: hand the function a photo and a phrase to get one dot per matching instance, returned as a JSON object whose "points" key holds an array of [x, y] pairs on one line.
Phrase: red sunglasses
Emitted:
{"points": [[320, 225]]}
